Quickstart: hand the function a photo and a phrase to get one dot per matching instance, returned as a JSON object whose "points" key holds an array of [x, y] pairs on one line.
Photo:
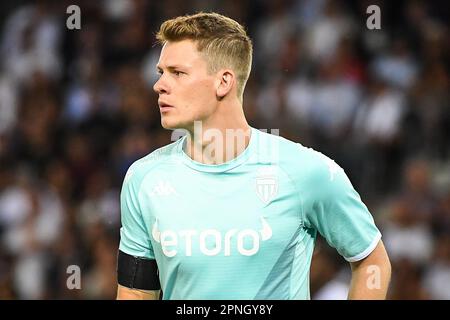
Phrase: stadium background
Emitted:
{"points": [[77, 108]]}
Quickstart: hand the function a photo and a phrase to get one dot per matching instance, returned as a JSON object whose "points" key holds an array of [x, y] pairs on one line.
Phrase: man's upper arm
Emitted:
{"points": [[124, 293], [137, 271], [134, 236], [378, 257], [335, 209], [371, 275]]}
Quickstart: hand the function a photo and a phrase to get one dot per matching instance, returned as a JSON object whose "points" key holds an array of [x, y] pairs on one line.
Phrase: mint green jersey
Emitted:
{"points": [[244, 229]]}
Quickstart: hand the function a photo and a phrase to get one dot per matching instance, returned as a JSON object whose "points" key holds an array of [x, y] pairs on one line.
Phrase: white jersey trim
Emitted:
{"points": [[366, 252]]}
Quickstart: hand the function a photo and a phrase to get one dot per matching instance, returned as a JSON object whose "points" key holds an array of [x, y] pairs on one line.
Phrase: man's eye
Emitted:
{"points": [[177, 73]]}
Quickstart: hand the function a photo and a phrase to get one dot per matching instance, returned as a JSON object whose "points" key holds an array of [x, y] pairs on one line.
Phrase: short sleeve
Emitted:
{"points": [[134, 237], [336, 211]]}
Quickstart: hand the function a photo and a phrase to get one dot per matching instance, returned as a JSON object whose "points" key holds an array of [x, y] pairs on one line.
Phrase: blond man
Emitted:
{"points": [[228, 211]]}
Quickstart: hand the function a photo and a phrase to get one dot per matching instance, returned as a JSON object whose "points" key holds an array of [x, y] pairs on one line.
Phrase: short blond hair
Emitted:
{"points": [[222, 40]]}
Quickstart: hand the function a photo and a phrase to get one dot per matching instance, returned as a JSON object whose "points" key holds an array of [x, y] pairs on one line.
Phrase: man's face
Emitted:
{"points": [[187, 93]]}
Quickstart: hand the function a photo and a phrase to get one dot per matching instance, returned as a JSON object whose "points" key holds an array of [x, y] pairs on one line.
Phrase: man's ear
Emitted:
{"points": [[225, 83]]}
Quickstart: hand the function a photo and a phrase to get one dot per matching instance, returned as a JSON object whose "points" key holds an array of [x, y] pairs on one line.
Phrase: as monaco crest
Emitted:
{"points": [[267, 185]]}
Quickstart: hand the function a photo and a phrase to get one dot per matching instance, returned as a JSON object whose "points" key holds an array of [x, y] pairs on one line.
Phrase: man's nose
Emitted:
{"points": [[160, 87]]}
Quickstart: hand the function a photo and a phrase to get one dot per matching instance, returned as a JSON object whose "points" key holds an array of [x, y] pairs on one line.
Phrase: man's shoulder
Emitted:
{"points": [[141, 167], [290, 151], [299, 161]]}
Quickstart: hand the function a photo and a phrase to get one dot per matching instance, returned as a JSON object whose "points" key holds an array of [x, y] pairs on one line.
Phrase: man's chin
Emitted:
{"points": [[169, 125]]}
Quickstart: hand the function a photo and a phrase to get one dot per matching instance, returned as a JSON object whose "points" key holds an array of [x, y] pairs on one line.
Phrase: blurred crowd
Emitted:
{"points": [[77, 108]]}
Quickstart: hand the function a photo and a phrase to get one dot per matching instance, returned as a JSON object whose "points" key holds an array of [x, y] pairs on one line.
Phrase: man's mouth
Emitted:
{"points": [[163, 107]]}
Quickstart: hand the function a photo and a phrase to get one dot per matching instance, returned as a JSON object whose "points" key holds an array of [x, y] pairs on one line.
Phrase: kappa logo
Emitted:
{"points": [[162, 189], [247, 240], [128, 175], [333, 167], [267, 184]]}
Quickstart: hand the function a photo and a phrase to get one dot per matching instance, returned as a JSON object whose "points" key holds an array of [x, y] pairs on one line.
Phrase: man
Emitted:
{"points": [[227, 211]]}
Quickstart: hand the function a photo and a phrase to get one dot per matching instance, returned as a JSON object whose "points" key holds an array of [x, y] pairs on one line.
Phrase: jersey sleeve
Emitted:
{"points": [[336, 211], [134, 236]]}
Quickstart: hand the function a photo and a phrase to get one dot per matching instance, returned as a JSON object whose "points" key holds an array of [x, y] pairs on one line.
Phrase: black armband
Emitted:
{"points": [[137, 273]]}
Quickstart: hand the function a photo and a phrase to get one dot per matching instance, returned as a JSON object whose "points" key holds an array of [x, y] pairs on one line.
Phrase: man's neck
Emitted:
{"points": [[219, 140]]}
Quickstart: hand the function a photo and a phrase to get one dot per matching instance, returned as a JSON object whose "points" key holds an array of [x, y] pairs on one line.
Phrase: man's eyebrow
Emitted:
{"points": [[170, 68]]}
